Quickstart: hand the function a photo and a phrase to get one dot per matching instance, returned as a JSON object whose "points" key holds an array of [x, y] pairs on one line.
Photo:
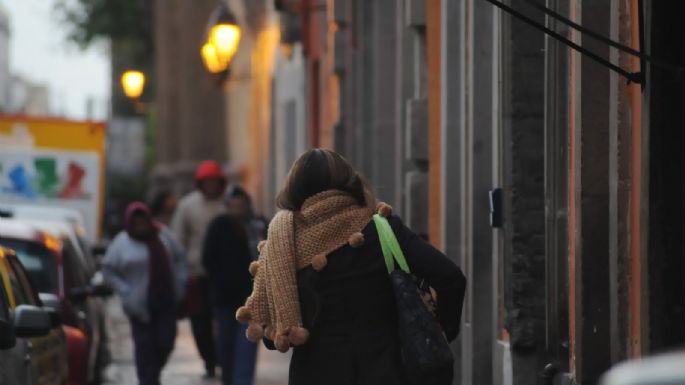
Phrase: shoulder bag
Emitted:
{"points": [[426, 355]]}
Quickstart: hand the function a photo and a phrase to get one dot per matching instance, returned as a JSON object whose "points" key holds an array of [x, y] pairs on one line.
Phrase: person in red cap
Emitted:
{"points": [[192, 217]]}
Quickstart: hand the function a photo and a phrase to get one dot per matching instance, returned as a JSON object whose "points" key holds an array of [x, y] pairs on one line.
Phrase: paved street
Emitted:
{"points": [[185, 366]]}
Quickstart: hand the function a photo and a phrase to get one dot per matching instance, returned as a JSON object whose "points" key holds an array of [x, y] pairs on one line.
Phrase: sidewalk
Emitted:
{"points": [[185, 366]]}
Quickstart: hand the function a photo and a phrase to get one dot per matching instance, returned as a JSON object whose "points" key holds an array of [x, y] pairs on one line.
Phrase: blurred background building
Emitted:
{"points": [[28, 98], [5, 77], [18, 95]]}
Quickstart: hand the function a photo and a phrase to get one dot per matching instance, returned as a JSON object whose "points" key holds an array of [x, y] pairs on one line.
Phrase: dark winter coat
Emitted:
{"points": [[349, 308], [226, 258]]}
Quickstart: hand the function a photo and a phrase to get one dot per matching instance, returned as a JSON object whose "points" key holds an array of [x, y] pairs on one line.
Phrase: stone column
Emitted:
{"points": [[452, 122], [523, 66], [383, 134], [190, 103]]}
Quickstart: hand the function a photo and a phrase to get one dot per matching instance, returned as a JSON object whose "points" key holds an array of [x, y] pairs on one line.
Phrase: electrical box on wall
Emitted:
{"points": [[496, 208]]}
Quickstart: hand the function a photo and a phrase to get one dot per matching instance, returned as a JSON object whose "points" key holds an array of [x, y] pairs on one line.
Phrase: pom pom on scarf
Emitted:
{"points": [[298, 336], [356, 240], [243, 315], [319, 262], [282, 344], [254, 332], [384, 209], [260, 246], [254, 268]]}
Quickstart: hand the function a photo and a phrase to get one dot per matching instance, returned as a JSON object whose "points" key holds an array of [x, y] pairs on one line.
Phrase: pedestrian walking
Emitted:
{"points": [[322, 283], [239, 206], [163, 206], [147, 268], [189, 224], [226, 257]]}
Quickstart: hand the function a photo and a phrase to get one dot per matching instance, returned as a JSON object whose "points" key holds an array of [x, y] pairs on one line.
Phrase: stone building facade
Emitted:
{"points": [[461, 115]]}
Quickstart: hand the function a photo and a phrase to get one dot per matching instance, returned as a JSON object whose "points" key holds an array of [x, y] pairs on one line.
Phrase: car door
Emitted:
{"points": [[12, 368], [90, 309], [49, 358], [15, 363]]}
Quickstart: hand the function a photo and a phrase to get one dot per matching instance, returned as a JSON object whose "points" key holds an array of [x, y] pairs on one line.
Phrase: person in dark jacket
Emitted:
{"points": [[162, 206], [226, 257], [239, 206], [321, 284]]}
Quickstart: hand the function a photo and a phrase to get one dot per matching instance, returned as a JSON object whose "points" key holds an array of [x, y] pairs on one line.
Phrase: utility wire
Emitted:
{"points": [[584, 30], [602, 38], [635, 77]]}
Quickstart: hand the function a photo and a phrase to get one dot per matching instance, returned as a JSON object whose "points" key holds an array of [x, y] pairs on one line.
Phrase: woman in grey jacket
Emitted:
{"points": [[146, 266]]}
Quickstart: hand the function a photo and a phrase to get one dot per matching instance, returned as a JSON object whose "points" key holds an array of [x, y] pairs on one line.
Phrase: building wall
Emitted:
{"points": [[439, 103], [189, 102], [237, 97], [354, 92], [252, 104], [5, 78], [27, 98], [126, 147], [570, 135], [452, 163], [664, 124], [289, 127]]}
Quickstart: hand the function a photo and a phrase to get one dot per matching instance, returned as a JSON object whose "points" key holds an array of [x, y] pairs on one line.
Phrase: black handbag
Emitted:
{"points": [[426, 355]]}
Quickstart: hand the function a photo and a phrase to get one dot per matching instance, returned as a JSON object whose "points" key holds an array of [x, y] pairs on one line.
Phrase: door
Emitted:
{"points": [[15, 363], [89, 313], [49, 354]]}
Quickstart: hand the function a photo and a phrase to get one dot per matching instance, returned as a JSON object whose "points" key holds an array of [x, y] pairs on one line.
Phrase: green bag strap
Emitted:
{"points": [[389, 245]]}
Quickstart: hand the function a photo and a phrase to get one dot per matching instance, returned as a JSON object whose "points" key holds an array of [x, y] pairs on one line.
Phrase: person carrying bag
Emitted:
{"points": [[321, 285]]}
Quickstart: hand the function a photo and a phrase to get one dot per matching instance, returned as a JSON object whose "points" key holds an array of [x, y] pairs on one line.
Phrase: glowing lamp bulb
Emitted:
{"points": [[133, 83]]}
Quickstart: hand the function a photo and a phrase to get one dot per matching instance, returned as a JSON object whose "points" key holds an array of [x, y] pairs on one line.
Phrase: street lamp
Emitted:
{"points": [[223, 37], [133, 83]]}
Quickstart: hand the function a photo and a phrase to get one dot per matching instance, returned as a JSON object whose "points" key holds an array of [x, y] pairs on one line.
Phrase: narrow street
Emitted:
{"points": [[185, 366]]}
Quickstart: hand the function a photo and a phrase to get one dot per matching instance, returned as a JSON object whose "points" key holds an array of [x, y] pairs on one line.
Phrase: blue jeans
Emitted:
{"points": [[237, 355]]}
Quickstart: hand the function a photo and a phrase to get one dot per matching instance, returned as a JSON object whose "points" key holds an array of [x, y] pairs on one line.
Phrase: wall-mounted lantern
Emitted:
{"points": [[223, 38], [133, 83]]}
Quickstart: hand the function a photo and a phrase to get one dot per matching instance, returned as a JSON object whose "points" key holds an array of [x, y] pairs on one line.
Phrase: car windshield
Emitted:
{"points": [[38, 262]]}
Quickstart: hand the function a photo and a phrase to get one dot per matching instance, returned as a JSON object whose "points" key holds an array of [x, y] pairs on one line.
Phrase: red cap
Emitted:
{"points": [[209, 169]]}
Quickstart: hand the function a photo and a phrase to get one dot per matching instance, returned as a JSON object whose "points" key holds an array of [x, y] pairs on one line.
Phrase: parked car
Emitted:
{"points": [[56, 267], [67, 233], [33, 346], [72, 222], [51, 213]]}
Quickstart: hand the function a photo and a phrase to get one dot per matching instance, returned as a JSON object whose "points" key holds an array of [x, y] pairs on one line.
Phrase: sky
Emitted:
{"points": [[40, 52]]}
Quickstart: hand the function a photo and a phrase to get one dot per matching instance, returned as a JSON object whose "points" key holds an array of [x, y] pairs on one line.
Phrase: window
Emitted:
{"points": [[4, 302], [39, 263], [17, 290], [75, 271], [24, 282]]}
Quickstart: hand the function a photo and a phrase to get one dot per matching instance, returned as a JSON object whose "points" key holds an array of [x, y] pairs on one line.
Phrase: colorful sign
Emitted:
{"points": [[54, 162]]}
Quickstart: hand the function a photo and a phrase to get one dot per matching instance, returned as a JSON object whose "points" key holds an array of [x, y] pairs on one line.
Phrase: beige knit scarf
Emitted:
{"points": [[326, 222]]}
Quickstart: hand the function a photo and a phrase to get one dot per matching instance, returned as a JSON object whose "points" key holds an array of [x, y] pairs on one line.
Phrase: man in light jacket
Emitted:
{"points": [[189, 224]]}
